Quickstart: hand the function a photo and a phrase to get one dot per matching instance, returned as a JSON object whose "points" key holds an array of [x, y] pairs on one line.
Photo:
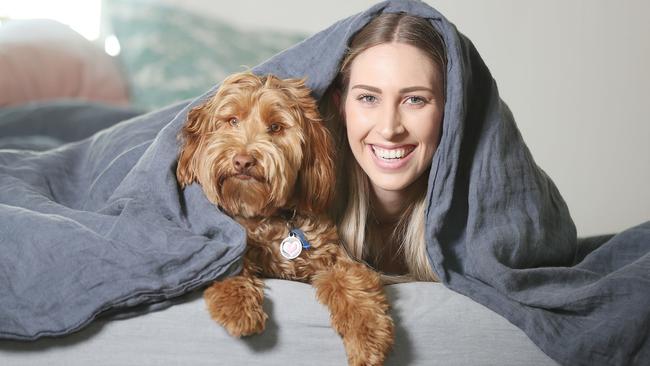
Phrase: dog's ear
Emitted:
{"points": [[191, 135], [316, 182]]}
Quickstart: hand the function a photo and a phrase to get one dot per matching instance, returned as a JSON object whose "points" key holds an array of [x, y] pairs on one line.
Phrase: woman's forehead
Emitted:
{"points": [[395, 65]]}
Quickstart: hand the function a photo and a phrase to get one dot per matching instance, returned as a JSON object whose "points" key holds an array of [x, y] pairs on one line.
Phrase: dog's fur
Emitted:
{"points": [[260, 152]]}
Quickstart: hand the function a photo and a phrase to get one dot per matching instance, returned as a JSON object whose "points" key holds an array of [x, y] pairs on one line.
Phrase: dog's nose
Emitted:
{"points": [[243, 162]]}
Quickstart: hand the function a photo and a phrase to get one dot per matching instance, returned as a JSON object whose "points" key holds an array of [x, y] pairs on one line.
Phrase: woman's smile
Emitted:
{"points": [[391, 158]]}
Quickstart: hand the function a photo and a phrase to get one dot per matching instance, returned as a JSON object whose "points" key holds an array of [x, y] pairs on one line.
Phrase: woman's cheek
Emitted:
{"points": [[358, 120]]}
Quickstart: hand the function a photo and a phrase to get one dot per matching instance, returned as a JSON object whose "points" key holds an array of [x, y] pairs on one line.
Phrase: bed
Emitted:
{"points": [[434, 324], [458, 331]]}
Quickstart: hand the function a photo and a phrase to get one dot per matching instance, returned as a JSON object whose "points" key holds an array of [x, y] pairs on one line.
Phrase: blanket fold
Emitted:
{"points": [[100, 224]]}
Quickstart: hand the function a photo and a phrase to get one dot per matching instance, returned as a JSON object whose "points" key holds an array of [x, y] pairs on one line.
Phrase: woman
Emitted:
{"points": [[438, 182], [388, 103]]}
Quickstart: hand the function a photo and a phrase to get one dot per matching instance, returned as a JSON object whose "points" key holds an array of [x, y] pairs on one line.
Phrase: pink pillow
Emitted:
{"points": [[44, 59]]}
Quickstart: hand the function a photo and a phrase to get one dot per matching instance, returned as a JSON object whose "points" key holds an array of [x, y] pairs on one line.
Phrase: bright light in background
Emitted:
{"points": [[81, 15], [112, 45]]}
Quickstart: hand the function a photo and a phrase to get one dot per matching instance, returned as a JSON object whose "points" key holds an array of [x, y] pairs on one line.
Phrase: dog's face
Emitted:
{"points": [[259, 145]]}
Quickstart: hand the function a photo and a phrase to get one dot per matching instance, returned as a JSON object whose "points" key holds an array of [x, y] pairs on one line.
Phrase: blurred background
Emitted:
{"points": [[574, 73]]}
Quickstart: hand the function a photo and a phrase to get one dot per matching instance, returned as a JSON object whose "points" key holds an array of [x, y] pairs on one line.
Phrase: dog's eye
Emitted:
{"points": [[275, 127], [234, 122]]}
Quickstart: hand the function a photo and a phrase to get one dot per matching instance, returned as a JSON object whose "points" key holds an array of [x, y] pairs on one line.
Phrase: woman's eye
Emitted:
{"points": [[234, 122], [415, 100], [367, 98], [275, 127]]}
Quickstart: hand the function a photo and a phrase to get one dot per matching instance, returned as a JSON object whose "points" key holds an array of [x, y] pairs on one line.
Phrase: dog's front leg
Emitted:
{"points": [[236, 303], [359, 310]]}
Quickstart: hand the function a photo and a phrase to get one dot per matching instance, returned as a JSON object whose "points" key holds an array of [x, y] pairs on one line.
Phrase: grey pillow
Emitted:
{"points": [[435, 326]]}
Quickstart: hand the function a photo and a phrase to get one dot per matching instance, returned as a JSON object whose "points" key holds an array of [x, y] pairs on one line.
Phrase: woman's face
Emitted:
{"points": [[393, 111]]}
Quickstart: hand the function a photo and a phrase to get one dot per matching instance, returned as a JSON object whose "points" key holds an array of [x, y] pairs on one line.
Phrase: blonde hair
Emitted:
{"points": [[353, 208]]}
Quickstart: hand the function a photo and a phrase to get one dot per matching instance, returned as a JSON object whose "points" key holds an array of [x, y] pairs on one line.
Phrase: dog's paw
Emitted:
{"points": [[359, 312], [368, 339], [236, 304], [243, 323]]}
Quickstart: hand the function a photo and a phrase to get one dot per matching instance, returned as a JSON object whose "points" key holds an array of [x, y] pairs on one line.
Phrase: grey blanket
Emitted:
{"points": [[101, 225]]}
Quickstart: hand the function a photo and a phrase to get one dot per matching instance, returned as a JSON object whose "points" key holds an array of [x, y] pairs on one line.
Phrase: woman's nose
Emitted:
{"points": [[390, 125]]}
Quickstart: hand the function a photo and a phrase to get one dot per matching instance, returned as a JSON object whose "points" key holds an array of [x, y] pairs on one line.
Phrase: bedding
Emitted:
{"points": [[116, 234], [459, 331], [447, 329], [49, 124], [100, 245]]}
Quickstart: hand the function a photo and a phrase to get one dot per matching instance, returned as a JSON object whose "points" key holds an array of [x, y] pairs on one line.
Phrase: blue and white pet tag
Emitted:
{"points": [[292, 245]]}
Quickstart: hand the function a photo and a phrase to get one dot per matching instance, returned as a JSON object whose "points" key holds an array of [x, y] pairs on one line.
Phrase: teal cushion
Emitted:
{"points": [[170, 54]]}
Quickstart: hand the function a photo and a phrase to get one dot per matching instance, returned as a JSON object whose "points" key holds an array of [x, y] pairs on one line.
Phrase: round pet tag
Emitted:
{"points": [[290, 247]]}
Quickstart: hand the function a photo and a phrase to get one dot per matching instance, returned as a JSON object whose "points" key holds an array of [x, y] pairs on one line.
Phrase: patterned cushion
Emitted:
{"points": [[171, 54]]}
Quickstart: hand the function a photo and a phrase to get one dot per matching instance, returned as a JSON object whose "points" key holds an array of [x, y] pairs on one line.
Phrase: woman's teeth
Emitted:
{"points": [[391, 154]]}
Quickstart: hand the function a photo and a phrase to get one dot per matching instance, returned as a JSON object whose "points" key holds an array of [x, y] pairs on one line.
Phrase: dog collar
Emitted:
{"points": [[292, 245]]}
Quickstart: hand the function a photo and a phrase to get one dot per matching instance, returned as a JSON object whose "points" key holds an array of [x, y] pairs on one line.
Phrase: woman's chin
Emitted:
{"points": [[390, 184], [402, 183]]}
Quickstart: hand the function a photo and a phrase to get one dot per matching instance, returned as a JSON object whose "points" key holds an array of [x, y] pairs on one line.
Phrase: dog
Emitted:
{"points": [[260, 152]]}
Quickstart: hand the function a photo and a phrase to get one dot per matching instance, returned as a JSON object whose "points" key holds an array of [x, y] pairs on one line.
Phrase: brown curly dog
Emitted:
{"points": [[260, 152]]}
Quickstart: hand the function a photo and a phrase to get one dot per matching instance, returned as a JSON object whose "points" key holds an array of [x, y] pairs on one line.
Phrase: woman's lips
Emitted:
{"points": [[391, 157]]}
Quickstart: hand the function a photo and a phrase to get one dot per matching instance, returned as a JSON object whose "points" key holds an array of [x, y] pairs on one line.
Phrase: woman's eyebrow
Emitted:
{"points": [[367, 87], [401, 91], [416, 88]]}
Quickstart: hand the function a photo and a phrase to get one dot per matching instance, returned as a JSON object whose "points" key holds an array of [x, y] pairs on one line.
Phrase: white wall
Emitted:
{"points": [[575, 74]]}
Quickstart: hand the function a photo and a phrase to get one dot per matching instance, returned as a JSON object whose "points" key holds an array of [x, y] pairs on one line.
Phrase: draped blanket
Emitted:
{"points": [[100, 224]]}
